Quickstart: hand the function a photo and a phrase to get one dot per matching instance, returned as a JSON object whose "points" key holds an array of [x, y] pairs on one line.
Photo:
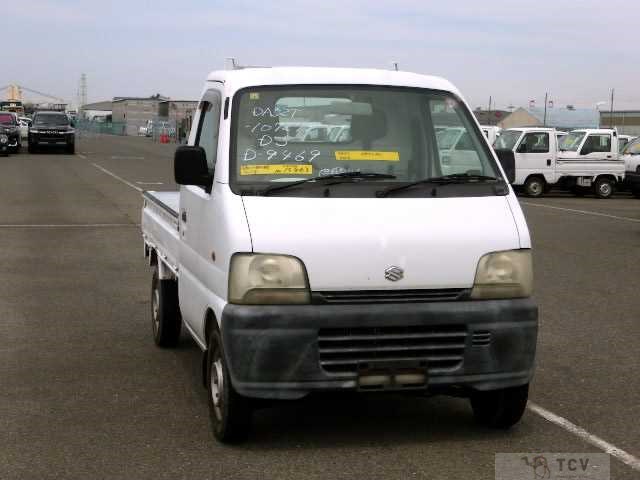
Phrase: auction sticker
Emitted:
{"points": [[367, 155], [276, 169]]}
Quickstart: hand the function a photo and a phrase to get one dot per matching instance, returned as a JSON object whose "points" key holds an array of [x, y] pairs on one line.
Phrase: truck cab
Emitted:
{"points": [[374, 261]]}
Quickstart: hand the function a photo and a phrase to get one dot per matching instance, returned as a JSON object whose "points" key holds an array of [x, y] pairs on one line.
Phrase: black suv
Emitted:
{"points": [[51, 129], [9, 133]]}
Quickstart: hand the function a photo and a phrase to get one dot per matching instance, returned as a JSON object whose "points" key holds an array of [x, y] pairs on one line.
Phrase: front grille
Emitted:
{"points": [[346, 350], [389, 296], [481, 338]]}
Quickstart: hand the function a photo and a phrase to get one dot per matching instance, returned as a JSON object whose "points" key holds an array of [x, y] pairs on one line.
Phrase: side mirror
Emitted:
{"points": [[190, 167], [585, 150], [523, 148]]}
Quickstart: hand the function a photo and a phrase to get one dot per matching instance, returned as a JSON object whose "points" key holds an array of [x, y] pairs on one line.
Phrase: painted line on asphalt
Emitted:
{"points": [[583, 212], [150, 183], [70, 225], [580, 432], [81, 156], [117, 177]]}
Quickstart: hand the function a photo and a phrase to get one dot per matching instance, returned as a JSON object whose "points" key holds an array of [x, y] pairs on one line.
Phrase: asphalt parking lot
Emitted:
{"points": [[86, 394]]}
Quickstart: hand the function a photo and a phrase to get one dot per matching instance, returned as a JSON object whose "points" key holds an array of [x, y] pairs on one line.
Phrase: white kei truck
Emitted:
{"points": [[345, 263], [582, 161]]}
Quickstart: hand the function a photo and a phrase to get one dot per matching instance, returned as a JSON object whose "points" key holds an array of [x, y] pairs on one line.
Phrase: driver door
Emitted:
{"points": [[196, 219]]}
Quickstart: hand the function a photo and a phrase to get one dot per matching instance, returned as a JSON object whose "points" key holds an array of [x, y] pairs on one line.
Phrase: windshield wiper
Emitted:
{"points": [[342, 177], [443, 180]]}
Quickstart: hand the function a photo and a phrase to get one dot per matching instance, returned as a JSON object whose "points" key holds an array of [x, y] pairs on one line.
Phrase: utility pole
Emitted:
{"points": [[82, 91], [489, 111], [611, 112], [546, 99]]}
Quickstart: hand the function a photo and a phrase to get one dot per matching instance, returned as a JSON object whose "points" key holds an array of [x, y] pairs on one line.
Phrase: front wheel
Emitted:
{"points": [[604, 187], [534, 187], [165, 312], [500, 408], [230, 412]]}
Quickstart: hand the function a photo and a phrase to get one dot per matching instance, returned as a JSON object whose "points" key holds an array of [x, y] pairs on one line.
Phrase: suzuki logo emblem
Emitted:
{"points": [[394, 273]]}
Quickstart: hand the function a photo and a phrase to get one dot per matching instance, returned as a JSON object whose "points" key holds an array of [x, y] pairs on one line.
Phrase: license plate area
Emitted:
{"points": [[384, 376]]}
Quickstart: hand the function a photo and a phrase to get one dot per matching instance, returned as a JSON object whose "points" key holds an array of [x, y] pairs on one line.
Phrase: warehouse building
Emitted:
{"points": [[567, 118], [134, 112], [97, 111], [626, 121]]}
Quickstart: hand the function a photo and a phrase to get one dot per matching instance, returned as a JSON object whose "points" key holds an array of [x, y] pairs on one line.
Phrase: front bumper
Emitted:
{"points": [[52, 140], [281, 351]]}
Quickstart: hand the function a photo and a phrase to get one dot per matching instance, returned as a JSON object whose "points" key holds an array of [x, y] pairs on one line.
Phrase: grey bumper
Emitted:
{"points": [[290, 351]]}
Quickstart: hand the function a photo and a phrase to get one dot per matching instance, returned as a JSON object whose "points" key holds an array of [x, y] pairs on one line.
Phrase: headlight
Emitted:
{"points": [[507, 274], [4, 139], [33, 130], [261, 279]]}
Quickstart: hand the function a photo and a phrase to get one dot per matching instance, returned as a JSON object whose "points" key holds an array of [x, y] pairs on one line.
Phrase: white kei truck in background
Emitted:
{"points": [[582, 161], [347, 264]]}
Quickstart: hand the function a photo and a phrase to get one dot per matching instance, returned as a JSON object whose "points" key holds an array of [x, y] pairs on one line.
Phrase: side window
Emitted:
{"points": [[207, 136], [535, 142], [599, 143]]}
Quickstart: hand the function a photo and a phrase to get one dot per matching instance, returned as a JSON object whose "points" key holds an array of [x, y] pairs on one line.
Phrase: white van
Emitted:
{"points": [[364, 262]]}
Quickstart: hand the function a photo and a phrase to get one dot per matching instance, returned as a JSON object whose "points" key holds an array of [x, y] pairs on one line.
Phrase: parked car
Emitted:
{"points": [[10, 129], [623, 140], [146, 130], [51, 129], [25, 124], [584, 160], [395, 273], [631, 157], [491, 132]]}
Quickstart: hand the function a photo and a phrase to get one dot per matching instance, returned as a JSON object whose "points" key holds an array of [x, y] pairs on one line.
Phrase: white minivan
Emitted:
{"points": [[375, 261]]}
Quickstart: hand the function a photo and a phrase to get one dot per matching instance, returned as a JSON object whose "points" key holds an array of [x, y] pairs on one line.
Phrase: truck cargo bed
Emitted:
{"points": [[160, 225]]}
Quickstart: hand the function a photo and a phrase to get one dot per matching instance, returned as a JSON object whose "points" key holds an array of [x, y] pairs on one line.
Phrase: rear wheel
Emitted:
{"points": [[604, 187], [534, 186], [165, 313], [230, 412], [500, 408]]}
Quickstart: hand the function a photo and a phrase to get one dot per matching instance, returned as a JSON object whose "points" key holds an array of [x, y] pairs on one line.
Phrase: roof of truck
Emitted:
{"points": [[247, 77]]}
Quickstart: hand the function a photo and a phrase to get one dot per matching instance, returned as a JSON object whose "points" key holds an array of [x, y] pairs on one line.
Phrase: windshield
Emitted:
{"points": [[571, 142], [51, 119], [7, 119], [507, 139], [632, 148], [286, 134]]}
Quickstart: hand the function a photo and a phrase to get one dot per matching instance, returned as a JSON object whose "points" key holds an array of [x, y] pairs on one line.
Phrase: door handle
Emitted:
{"points": [[548, 162], [184, 216]]}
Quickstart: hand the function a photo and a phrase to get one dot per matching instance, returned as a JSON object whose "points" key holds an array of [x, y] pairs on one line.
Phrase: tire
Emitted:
{"points": [[230, 412], [636, 193], [165, 313], [31, 148], [534, 187], [604, 187], [500, 408], [70, 149]]}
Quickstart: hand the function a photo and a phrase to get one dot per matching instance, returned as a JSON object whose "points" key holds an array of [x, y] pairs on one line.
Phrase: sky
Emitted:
{"points": [[513, 51]]}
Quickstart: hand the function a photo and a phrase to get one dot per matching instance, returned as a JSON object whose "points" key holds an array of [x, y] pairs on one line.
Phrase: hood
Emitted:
{"points": [[348, 243]]}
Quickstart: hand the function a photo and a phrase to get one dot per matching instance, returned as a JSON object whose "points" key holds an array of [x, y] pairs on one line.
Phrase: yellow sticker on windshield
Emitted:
{"points": [[367, 155], [254, 96], [276, 169]]}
